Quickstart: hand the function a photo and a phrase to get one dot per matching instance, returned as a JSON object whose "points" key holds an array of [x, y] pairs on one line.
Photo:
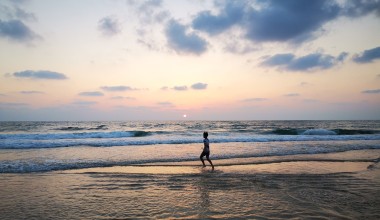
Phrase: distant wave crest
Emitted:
{"points": [[293, 131], [77, 135]]}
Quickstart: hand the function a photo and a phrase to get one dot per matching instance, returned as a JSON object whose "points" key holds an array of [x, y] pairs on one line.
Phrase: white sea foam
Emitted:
{"points": [[319, 132], [127, 139], [160, 141], [81, 157]]}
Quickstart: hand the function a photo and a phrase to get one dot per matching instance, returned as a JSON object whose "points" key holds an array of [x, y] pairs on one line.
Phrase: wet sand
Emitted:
{"points": [[326, 186]]}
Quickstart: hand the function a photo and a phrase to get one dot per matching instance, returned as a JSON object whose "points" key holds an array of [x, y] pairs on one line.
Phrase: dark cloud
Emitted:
{"points": [[109, 26], [199, 86], [342, 57], [31, 92], [229, 15], [368, 56], [254, 100], [16, 30], [312, 61], [278, 59], [180, 88], [183, 42], [293, 21], [373, 91], [308, 62], [356, 8], [117, 88], [40, 74], [91, 94]]}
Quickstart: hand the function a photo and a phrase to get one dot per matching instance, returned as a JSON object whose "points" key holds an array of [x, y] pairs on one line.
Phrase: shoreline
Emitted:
{"points": [[342, 162], [260, 190]]}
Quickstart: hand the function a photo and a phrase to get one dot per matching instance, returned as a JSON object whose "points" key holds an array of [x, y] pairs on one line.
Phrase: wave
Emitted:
{"points": [[319, 131], [28, 166], [73, 128], [70, 128], [112, 139], [81, 135]]}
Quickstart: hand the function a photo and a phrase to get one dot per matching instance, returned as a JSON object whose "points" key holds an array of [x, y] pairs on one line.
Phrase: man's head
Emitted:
{"points": [[205, 134]]}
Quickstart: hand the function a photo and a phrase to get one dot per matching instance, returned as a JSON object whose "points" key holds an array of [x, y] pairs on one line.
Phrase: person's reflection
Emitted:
{"points": [[204, 185]]}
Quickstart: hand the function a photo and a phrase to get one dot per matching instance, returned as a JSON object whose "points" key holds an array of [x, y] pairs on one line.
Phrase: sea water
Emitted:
{"points": [[45, 146]]}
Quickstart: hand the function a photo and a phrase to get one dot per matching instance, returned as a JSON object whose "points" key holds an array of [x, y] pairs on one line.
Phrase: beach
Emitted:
{"points": [[151, 170], [324, 186]]}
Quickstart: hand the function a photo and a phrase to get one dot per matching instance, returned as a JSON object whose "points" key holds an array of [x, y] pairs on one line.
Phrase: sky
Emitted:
{"points": [[189, 60]]}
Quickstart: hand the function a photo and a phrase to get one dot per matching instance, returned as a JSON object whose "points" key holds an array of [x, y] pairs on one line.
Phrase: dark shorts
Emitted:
{"points": [[204, 153]]}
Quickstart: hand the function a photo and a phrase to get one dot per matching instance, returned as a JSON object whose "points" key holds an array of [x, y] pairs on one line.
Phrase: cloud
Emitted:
{"points": [[180, 88], [199, 86], [24, 15], [95, 94], [122, 97], [16, 30], [270, 20], [310, 101], [312, 61], [373, 91], [278, 59], [117, 88], [151, 17], [342, 56], [31, 92], [308, 62], [229, 15], [40, 74], [149, 11], [164, 88], [239, 47], [150, 5], [356, 8], [13, 104], [254, 100], [183, 42], [168, 104], [368, 56], [294, 21], [84, 103], [292, 95], [109, 26]]}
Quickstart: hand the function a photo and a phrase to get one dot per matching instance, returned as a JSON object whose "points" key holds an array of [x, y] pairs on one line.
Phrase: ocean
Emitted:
{"points": [[151, 170], [46, 146]]}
